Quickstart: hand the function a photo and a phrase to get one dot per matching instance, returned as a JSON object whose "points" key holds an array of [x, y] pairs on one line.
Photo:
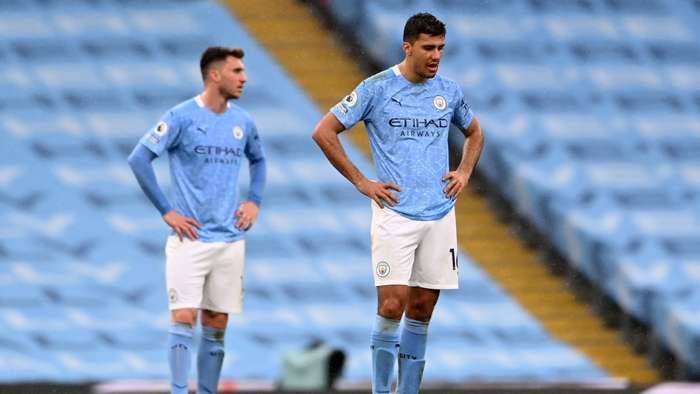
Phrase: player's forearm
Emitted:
{"points": [[471, 150], [258, 176], [140, 162], [329, 143]]}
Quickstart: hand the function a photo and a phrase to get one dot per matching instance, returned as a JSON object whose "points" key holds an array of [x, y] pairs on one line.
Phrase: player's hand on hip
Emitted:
{"points": [[456, 181], [379, 192], [246, 214], [184, 226]]}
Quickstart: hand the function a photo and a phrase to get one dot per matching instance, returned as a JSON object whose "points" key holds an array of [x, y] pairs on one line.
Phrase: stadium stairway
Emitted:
{"points": [[290, 32], [518, 270]]}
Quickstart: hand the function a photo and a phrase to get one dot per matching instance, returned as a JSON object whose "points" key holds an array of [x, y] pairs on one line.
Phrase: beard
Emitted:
{"points": [[227, 94], [427, 74]]}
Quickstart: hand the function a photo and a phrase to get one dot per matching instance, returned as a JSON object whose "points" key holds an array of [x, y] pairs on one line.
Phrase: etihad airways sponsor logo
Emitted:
{"points": [[418, 123], [217, 150], [218, 154]]}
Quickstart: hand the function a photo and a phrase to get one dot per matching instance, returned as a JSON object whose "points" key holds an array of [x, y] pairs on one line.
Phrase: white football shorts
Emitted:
{"points": [[414, 252], [205, 275]]}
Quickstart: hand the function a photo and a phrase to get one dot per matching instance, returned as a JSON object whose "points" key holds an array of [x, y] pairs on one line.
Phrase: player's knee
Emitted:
{"points": [[421, 311], [214, 319], [185, 316], [392, 308]]}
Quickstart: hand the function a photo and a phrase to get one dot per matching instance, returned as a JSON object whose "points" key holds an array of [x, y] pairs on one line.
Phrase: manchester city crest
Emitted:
{"points": [[237, 132], [439, 103], [172, 295], [383, 269]]}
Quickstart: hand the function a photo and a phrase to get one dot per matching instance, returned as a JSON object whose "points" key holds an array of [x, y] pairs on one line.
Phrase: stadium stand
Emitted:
{"points": [[81, 251], [591, 115]]}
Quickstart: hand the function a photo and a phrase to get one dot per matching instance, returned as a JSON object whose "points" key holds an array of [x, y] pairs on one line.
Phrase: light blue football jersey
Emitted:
{"points": [[408, 125], [205, 150]]}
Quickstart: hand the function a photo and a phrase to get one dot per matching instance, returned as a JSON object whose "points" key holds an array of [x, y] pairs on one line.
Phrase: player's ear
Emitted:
{"points": [[407, 48], [215, 74]]}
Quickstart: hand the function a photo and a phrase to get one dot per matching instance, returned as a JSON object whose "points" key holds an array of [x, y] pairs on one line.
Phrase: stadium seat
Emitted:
{"points": [[81, 82], [591, 134]]}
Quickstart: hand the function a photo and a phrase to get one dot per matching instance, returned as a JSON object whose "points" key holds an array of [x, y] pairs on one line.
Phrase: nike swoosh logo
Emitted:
{"points": [[177, 386], [396, 100], [201, 130]]}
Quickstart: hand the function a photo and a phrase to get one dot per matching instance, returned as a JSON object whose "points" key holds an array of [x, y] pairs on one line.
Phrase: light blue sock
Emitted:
{"points": [[412, 355], [179, 345], [385, 342], [209, 360]]}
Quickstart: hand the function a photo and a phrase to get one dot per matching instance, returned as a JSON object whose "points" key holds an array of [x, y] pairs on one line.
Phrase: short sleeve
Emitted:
{"points": [[163, 135], [354, 107], [462, 115]]}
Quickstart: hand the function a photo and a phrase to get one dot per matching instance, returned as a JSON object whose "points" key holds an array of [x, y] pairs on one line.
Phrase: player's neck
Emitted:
{"points": [[213, 101], [409, 74]]}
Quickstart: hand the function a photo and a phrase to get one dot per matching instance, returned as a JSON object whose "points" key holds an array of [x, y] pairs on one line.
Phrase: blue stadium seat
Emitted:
{"points": [[675, 322], [80, 83], [592, 134]]}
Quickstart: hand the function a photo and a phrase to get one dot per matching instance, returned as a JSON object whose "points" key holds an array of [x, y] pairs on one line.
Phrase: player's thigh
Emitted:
{"points": [[394, 242], [223, 290], [436, 265], [186, 266]]}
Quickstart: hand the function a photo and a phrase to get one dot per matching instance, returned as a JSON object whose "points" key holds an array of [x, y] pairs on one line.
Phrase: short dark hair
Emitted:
{"points": [[214, 54], [423, 23]]}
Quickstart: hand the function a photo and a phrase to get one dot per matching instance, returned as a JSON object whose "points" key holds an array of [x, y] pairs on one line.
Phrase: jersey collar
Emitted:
{"points": [[200, 103]]}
